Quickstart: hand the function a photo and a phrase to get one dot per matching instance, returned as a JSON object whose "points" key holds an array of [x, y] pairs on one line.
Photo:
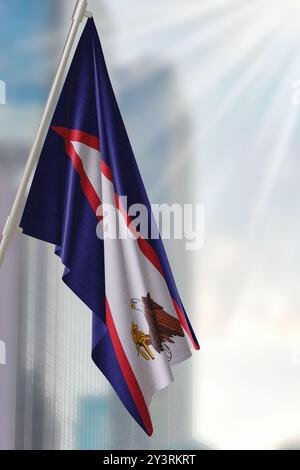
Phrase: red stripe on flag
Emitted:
{"points": [[184, 323], [78, 136], [143, 244], [86, 185], [106, 170], [128, 374]]}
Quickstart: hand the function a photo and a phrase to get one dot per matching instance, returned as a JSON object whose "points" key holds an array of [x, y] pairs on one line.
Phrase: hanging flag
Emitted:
{"points": [[140, 328]]}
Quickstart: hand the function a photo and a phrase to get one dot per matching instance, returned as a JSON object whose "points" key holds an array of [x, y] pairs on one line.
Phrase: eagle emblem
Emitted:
{"points": [[163, 327]]}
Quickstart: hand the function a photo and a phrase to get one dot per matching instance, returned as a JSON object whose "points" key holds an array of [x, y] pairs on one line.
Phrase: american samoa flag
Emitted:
{"points": [[140, 328]]}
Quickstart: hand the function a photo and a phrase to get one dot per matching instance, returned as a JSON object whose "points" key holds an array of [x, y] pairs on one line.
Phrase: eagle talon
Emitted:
{"points": [[141, 340]]}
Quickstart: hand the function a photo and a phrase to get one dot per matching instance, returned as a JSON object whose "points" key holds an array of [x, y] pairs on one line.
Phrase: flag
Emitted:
{"points": [[140, 328]]}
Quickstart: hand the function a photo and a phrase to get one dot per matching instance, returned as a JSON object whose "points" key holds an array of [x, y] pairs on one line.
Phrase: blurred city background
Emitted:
{"points": [[206, 91]]}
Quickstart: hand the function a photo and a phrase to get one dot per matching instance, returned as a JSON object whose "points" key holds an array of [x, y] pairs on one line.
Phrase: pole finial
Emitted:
{"points": [[80, 10]]}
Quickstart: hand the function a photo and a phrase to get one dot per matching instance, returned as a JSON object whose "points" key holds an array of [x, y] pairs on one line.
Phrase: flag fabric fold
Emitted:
{"points": [[140, 327]]}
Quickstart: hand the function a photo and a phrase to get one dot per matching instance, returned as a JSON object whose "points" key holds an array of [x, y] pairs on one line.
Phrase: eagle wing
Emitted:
{"points": [[168, 325], [163, 327]]}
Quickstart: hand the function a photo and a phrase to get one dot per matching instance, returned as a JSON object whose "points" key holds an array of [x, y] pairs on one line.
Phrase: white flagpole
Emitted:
{"points": [[14, 219]]}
